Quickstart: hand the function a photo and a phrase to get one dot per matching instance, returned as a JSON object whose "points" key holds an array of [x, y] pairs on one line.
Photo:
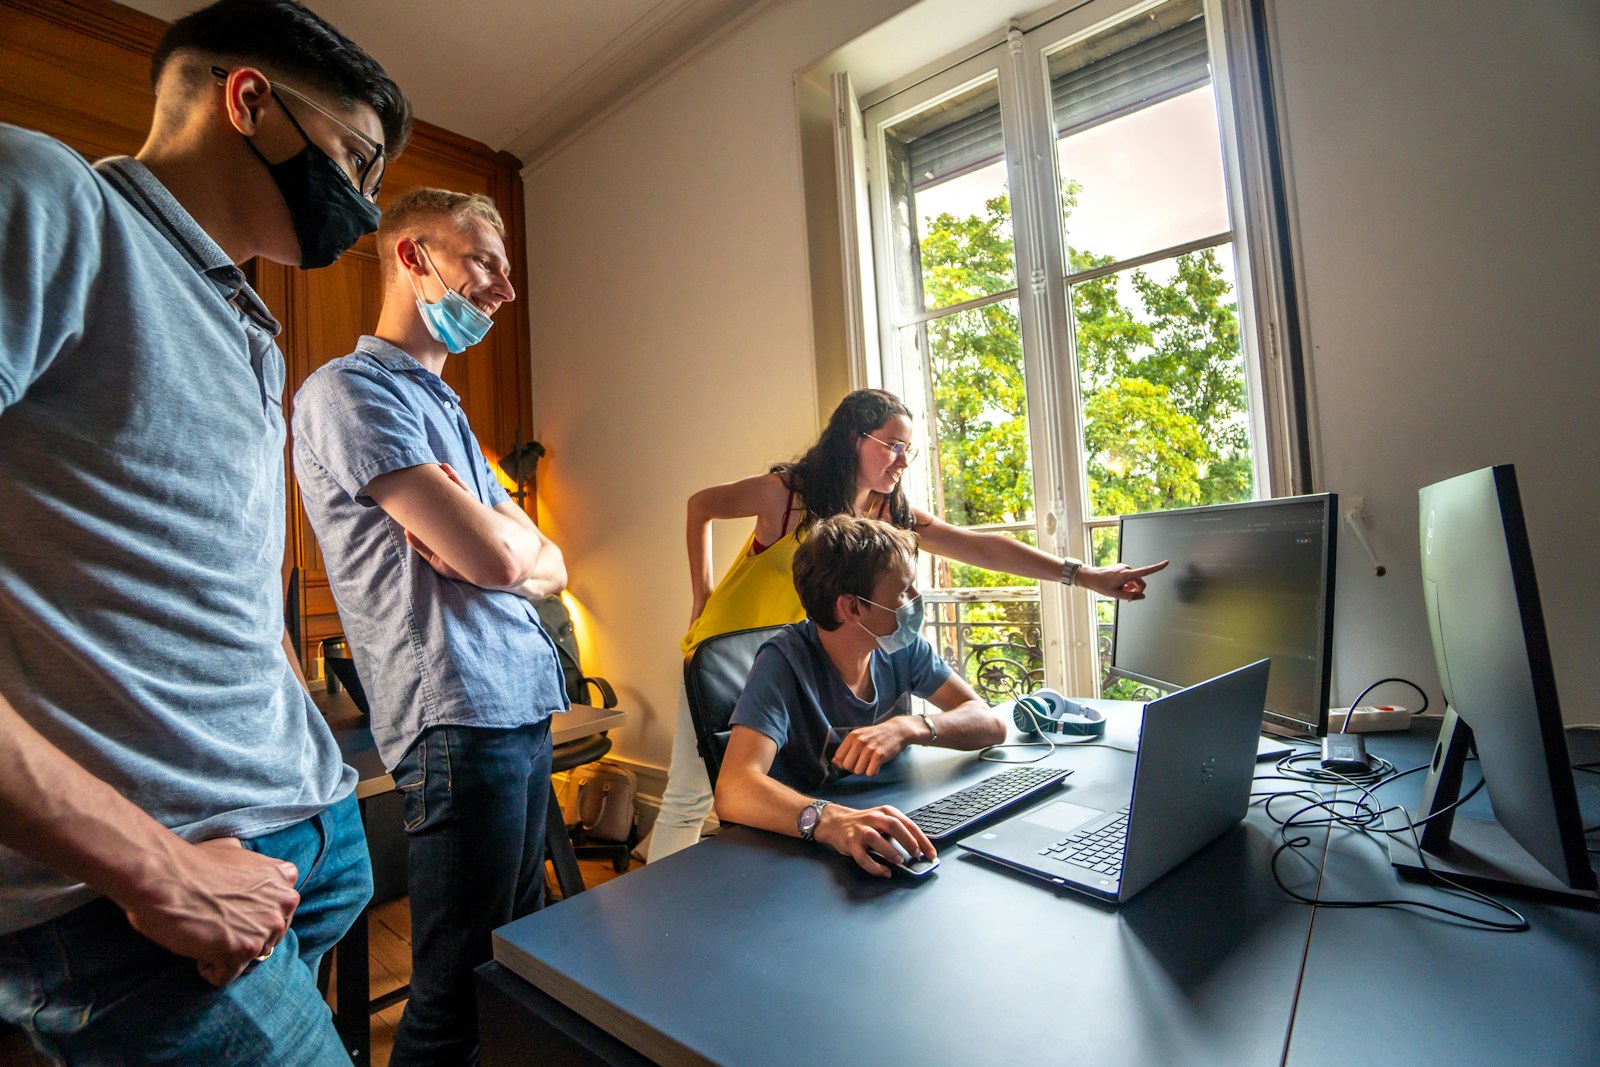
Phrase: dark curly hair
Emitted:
{"points": [[294, 41], [825, 477]]}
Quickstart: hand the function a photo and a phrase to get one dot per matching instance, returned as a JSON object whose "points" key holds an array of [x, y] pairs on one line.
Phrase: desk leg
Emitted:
{"points": [[559, 845], [354, 986]]}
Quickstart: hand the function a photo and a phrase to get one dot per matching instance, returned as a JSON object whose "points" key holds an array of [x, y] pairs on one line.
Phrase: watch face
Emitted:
{"points": [[808, 819]]}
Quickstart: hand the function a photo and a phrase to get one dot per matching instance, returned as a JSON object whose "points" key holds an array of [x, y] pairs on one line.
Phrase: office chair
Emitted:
{"points": [[341, 668], [713, 677], [557, 622]]}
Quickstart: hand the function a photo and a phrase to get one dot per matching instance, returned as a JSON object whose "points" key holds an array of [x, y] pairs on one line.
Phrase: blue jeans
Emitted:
{"points": [[90, 989], [475, 801]]}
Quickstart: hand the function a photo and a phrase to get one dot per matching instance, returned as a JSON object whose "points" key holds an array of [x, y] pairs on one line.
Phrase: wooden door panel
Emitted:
{"points": [[79, 70]]}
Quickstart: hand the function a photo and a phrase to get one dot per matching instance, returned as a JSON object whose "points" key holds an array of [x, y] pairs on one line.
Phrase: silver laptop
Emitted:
{"points": [[1191, 783]]}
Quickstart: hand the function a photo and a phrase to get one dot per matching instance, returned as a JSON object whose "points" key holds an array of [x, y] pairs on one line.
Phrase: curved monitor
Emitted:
{"points": [[1247, 582]]}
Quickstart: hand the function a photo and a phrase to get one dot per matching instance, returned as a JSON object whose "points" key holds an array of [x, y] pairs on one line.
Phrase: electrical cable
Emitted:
{"points": [[1384, 681], [1362, 816], [1381, 769]]}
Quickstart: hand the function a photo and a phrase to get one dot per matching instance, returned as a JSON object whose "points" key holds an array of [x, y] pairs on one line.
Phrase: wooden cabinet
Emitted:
{"points": [[80, 70]]}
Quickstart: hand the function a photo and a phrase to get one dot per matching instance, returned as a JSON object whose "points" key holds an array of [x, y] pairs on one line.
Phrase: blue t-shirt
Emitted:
{"points": [[795, 696], [141, 473], [431, 651]]}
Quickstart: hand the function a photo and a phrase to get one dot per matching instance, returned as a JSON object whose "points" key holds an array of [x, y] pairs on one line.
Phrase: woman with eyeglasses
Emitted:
{"points": [[854, 468]]}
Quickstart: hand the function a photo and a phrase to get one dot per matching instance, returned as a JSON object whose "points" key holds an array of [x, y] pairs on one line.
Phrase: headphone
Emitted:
{"points": [[1047, 711]]}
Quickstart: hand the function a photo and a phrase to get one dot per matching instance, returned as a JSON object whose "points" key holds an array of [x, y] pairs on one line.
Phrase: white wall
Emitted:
{"points": [[671, 322], [1446, 167], [1444, 156]]}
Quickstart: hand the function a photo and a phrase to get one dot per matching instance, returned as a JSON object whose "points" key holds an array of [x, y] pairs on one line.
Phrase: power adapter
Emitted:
{"points": [[1345, 753]]}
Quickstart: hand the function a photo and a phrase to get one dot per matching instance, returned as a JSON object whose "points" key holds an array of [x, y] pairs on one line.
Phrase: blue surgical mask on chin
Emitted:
{"points": [[455, 322], [907, 624]]}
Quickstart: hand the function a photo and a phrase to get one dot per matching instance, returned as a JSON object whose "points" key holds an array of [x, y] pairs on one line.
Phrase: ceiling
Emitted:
{"points": [[518, 75]]}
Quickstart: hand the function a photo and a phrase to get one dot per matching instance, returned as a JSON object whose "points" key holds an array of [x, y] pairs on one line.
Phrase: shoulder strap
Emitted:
{"points": [[794, 504]]}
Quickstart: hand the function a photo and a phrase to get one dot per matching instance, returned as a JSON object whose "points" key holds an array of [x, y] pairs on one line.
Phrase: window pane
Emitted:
{"points": [[1138, 148], [952, 217], [1162, 377], [1104, 542], [982, 472], [953, 574]]}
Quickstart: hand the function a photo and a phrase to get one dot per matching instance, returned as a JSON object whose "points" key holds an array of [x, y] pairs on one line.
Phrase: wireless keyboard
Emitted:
{"points": [[960, 811]]}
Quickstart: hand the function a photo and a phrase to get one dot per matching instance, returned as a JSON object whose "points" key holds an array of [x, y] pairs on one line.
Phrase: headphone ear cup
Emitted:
{"points": [[1027, 712]]}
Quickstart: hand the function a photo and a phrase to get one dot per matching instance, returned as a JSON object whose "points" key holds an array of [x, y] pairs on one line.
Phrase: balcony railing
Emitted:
{"points": [[992, 637]]}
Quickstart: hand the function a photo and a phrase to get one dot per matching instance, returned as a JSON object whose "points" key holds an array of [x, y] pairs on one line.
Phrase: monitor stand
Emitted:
{"points": [[1272, 747], [1473, 851], [1270, 750]]}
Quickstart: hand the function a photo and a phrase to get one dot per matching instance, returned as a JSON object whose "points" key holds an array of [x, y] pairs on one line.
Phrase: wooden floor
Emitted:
{"points": [[389, 953]]}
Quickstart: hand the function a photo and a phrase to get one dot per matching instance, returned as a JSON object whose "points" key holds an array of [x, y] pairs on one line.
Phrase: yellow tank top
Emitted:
{"points": [[756, 591]]}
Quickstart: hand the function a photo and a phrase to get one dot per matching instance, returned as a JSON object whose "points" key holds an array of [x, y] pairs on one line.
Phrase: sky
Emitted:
{"points": [[1149, 180]]}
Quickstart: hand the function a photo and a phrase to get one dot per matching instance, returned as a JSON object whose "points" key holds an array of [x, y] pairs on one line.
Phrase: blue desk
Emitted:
{"points": [[1416, 989], [754, 948]]}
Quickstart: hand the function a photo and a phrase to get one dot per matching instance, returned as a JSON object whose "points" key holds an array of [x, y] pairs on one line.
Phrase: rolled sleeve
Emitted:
{"points": [[51, 217], [354, 425]]}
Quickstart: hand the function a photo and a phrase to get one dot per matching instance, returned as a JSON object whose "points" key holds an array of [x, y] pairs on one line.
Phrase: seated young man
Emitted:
{"points": [[834, 680]]}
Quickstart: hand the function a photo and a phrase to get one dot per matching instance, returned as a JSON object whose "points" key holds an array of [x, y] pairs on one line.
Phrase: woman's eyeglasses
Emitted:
{"points": [[897, 449]]}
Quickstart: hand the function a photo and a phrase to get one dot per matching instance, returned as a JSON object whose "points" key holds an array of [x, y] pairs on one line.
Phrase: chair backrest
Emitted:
{"points": [[557, 622], [713, 677]]}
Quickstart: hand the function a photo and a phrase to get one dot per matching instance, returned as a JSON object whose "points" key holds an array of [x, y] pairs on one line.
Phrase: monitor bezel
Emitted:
{"points": [[1330, 555]]}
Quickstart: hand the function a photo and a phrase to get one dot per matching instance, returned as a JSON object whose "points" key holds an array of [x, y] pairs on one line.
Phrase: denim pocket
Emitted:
{"points": [[411, 782]]}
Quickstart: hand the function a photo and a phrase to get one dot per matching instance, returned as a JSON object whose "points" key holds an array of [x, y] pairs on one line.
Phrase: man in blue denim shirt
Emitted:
{"points": [[152, 721], [434, 568]]}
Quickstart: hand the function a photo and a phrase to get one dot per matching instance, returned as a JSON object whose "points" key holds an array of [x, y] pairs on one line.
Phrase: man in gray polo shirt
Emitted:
{"points": [[434, 568], [178, 836]]}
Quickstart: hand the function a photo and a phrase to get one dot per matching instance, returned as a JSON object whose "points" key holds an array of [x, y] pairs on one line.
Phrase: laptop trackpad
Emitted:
{"points": [[1062, 816]]}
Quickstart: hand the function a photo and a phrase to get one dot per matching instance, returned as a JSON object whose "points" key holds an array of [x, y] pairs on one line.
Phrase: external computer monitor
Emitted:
{"points": [[1247, 582], [1494, 662]]}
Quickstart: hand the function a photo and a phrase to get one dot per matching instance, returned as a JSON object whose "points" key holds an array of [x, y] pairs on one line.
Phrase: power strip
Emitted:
{"points": [[1367, 719]]}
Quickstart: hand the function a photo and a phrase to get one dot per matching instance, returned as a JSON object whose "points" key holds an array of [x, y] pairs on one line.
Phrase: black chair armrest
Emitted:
{"points": [[608, 695]]}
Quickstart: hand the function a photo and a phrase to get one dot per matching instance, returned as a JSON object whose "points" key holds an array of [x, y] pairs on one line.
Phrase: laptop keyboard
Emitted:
{"points": [[1098, 850], [950, 815]]}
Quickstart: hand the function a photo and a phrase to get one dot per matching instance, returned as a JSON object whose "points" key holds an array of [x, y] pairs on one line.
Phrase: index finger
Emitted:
{"points": [[911, 836], [1140, 572]]}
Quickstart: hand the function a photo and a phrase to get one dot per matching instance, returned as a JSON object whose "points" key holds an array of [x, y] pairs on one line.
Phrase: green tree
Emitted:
{"points": [[975, 359]]}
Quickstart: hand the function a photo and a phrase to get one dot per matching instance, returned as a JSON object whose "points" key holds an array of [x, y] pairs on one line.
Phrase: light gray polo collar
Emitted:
{"points": [[151, 199]]}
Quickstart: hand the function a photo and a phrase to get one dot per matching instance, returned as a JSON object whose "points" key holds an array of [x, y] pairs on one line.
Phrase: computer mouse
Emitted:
{"points": [[903, 864]]}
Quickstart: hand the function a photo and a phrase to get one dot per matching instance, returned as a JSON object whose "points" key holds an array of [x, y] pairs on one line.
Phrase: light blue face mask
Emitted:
{"points": [[907, 624], [455, 322]]}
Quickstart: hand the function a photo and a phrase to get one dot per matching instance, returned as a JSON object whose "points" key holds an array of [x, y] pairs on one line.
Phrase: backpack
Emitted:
{"points": [[557, 622]]}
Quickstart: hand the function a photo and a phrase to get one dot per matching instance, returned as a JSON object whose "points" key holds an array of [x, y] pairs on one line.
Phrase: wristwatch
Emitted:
{"points": [[810, 815], [1069, 570], [933, 735]]}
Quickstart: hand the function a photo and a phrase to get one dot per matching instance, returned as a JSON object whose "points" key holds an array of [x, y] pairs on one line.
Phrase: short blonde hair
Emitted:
{"points": [[413, 211]]}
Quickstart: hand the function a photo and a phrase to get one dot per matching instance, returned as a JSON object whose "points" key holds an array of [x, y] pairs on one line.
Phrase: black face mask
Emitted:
{"points": [[329, 215]]}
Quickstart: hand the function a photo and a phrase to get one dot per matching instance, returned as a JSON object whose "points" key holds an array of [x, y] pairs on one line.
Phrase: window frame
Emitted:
{"points": [[1280, 435]]}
